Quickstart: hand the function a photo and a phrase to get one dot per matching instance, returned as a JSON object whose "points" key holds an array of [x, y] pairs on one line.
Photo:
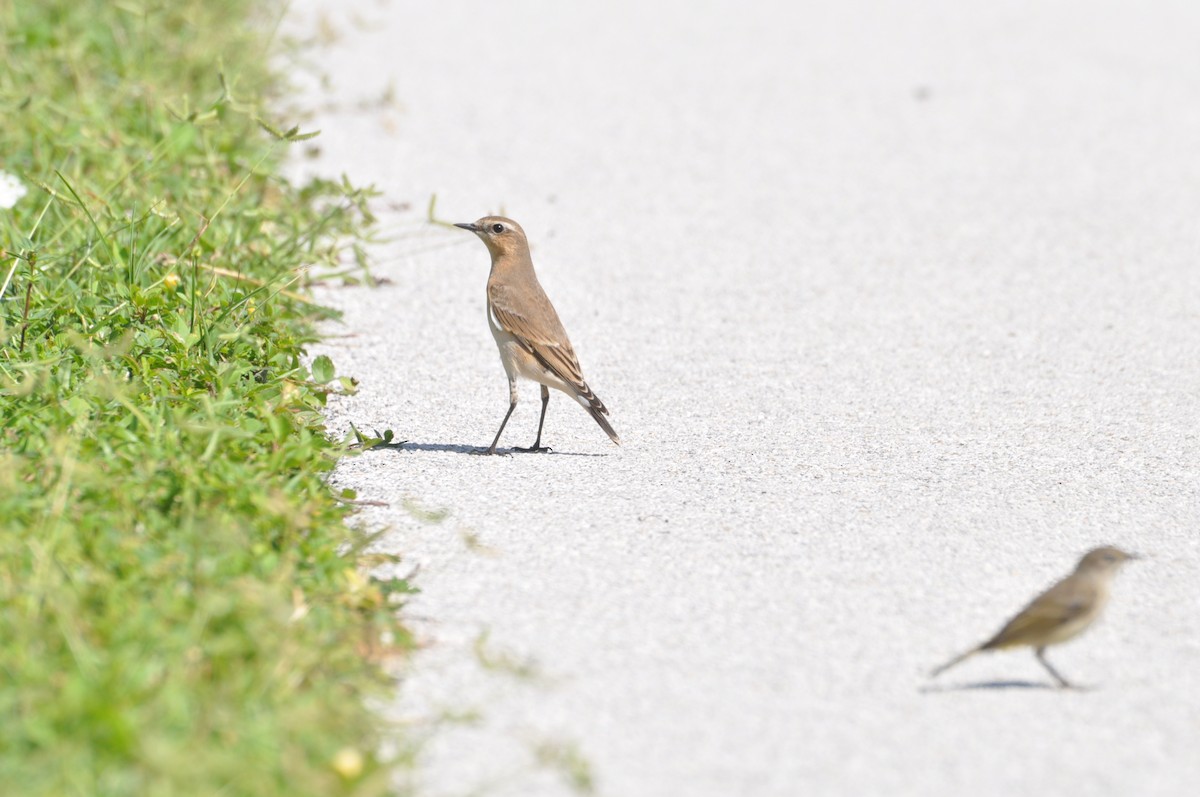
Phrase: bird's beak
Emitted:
{"points": [[472, 226], [1136, 556]]}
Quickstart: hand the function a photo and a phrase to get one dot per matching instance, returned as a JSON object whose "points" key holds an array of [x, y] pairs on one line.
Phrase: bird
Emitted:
{"points": [[1059, 614], [532, 342]]}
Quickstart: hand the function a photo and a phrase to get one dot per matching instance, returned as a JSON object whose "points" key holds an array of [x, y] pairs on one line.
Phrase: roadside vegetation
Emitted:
{"points": [[182, 609]]}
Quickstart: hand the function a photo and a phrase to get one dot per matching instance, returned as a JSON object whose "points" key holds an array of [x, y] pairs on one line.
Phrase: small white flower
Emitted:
{"points": [[11, 189]]}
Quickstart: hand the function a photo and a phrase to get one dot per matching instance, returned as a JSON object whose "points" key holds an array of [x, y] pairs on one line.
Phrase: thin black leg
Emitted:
{"points": [[492, 448], [1063, 682], [537, 448]]}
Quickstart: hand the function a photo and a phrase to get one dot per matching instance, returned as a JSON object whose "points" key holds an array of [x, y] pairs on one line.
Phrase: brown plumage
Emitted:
{"points": [[528, 332], [1059, 614]]}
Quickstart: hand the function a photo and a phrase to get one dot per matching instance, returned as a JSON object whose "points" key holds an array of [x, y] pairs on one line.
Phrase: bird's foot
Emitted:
{"points": [[534, 449], [487, 452], [1067, 686]]}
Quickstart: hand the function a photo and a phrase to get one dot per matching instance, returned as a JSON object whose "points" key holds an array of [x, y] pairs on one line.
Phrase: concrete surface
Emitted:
{"points": [[897, 308]]}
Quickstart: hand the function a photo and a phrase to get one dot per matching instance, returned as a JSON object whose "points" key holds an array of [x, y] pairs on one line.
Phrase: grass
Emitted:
{"points": [[181, 611]]}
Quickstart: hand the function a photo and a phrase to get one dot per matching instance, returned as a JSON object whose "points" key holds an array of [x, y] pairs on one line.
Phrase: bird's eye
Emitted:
{"points": [[497, 228]]}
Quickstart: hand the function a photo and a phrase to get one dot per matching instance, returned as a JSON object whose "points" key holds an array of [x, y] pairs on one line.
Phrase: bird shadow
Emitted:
{"points": [[992, 686], [460, 448]]}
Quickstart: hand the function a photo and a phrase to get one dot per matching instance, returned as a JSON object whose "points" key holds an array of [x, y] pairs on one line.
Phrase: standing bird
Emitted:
{"points": [[1059, 614], [531, 339]]}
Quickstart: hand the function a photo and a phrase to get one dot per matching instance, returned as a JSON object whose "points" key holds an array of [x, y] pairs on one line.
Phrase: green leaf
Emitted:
{"points": [[322, 370], [274, 131]]}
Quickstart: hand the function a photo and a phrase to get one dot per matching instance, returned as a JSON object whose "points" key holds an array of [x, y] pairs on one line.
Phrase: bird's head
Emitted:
{"points": [[501, 236], [1106, 559]]}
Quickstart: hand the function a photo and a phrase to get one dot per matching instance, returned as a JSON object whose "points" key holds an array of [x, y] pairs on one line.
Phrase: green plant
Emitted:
{"points": [[180, 611]]}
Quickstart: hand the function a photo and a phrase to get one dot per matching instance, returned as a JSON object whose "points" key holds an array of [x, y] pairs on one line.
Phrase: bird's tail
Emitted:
{"points": [[595, 407], [954, 661]]}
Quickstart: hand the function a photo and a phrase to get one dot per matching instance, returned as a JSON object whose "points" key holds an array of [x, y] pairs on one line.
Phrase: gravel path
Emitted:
{"points": [[897, 309]]}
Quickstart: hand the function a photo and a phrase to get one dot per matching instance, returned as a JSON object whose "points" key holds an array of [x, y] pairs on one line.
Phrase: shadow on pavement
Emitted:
{"points": [[459, 448], [991, 686]]}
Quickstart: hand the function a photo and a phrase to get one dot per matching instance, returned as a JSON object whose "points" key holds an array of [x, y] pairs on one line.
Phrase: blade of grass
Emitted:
{"points": [[116, 256]]}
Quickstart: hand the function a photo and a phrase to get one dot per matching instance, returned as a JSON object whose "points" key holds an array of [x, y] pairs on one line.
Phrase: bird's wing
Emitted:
{"points": [[540, 332], [1065, 601]]}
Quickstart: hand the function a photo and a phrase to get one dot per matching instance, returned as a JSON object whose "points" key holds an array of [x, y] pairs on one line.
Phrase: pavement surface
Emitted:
{"points": [[897, 310]]}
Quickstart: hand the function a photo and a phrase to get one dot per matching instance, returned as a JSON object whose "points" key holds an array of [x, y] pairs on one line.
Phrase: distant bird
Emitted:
{"points": [[531, 339], [1059, 614]]}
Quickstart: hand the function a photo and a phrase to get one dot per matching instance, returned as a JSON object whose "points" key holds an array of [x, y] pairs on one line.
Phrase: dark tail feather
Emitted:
{"points": [[598, 414], [595, 407], [954, 661]]}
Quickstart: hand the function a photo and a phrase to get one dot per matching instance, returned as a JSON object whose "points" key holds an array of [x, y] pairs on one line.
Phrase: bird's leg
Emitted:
{"points": [[512, 405], [1063, 682], [537, 447]]}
